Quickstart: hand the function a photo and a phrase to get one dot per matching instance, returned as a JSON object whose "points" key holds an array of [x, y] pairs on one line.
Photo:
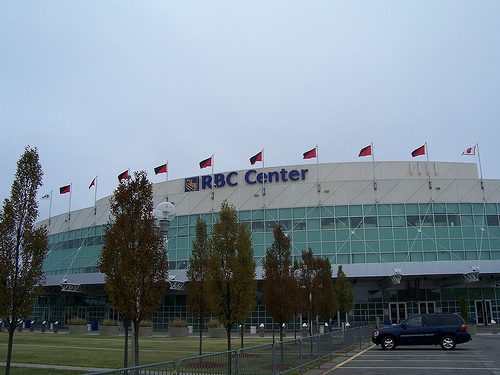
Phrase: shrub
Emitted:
{"points": [[77, 321], [214, 323], [109, 323], [146, 323], [178, 323]]}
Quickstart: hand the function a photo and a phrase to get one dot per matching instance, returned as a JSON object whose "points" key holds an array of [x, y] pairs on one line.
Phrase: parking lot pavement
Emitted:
{"points": [[480, 356]]}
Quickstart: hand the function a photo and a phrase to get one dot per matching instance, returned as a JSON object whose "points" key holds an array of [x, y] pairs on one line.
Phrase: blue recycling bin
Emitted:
{"points": [[94, 325]]}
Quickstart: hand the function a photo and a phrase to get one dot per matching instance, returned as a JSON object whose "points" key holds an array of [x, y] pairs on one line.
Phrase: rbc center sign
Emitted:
{"points": [[251, 177]]}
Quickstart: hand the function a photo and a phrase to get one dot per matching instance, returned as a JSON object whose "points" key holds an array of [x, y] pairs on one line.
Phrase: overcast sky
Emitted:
{"points": [[103, 86]]}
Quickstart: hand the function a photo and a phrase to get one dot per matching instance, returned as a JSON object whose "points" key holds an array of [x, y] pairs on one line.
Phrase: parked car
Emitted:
{"points": [[446, 330]]}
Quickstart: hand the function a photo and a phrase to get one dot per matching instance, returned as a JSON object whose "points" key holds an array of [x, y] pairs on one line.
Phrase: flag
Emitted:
{"points": [[123, 175], [257, 157], [470, 151], [365, 151], [64, 189], [161, 169], [46, 196], [92, 183], [206, 163], [418, 151], [310, 154]]}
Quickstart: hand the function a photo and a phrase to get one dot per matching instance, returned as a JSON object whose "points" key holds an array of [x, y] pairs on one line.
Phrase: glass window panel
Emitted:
{"points": [[370, 222], [299, 212], [416, 257], [384, 210], [355, 211], [314, 235], [440, 220], [492, 220], [456, 244], [442, 232], [430, 257], [343, 259], [357, 246], [400, 257], [328, 223], [438, 208], [299, 224], [328, 235], [313, 224], [443, 255], [453, 220], [286, 225], [272, 214], [413, 221], [384, 221], [371, 234], [285, 213], [400, 245], [342, 235], [258, 238], [491, 209], [182, 220], [341, 223], [341, 211], [372, 258], [313, 211], [427, 220], [386, 233], [478, 208], [356, 222], [270, 225], [244, 215], [299, 236], [399, 221], [412, 209], [467, 220], [358, 258], [457, 255], [388, 257], [258, 215], [452, 208], [485, 255], [372, 246], [257, 226], [370, 210], [327, 211], [428, 245], [398, 209], [399, 233]]}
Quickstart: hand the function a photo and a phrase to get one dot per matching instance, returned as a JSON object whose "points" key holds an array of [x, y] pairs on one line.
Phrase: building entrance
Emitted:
{"points": [[397, 312], [483, 312]]}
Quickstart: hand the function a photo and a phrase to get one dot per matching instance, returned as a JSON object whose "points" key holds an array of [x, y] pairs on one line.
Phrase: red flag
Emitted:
{"points": [[65, 189], [470, 151], [161, 169], [92, 183], [123, 175], [418, 151], [257, 157], [310, 154], [206, 163], [365, 151]]}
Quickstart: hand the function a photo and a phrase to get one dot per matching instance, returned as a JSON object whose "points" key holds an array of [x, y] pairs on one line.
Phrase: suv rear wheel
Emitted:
{"points": [[448, 342], [388, 343]]}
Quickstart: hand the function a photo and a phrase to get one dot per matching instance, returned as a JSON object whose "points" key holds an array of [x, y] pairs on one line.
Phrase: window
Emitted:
{"points": [[415, 321], [431, 320]]}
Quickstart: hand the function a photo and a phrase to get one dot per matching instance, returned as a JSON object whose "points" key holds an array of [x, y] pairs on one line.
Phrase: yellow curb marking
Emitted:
{"points": [[347, 360]]}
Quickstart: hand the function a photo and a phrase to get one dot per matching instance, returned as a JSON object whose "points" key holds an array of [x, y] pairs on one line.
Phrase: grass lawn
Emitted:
{"points": [[104, 351]]}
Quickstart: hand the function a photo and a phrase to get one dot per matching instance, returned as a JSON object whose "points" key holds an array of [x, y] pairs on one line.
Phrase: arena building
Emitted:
{"points": [[412, 237]]}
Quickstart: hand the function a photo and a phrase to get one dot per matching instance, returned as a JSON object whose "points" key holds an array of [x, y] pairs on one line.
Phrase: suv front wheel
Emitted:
{"points": [[448, 342], [388, 343]]}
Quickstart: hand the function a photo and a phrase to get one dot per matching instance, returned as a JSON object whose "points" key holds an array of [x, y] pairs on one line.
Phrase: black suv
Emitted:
{"points": [[446, 330]]}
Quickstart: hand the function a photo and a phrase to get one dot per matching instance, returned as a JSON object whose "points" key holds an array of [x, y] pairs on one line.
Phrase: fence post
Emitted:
{"points": [[319, 350]]}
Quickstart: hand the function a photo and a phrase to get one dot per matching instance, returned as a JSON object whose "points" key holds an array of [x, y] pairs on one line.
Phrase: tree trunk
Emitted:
{"points": [[241, 333], [135, 342], [126, 323], [11, 329], [228, 332], [200, 323]]}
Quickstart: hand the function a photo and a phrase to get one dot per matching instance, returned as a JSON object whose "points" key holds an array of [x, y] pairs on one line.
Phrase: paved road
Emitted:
{"points": [[478, 357]]}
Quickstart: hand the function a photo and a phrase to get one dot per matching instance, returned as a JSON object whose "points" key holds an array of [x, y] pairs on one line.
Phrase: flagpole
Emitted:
{"points": [[317, 169], [213, 182], [263, 182], [166, 183], [480, 167], [95, 194], [69, 206], [50, 207], [373, 165], [428, 169]]}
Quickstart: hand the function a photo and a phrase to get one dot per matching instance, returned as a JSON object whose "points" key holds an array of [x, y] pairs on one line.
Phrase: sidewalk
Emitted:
{"points": [[328, 367]]}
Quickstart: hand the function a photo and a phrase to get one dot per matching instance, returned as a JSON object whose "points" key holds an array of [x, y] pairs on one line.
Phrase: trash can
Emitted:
{"points": [[32, 326], [253, 330], [261, 329], [44, 326], [56, 326], [94, 325]]}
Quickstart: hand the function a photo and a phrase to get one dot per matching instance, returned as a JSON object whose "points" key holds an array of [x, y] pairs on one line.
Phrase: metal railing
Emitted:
{"points": [[273, 359]]}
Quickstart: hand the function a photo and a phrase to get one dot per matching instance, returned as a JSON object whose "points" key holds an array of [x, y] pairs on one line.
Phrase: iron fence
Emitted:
{"points": [[273, 359]]}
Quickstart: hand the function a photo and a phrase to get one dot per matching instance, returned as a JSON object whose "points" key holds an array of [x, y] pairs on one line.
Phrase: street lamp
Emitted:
{"points": [[164, 213]]}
